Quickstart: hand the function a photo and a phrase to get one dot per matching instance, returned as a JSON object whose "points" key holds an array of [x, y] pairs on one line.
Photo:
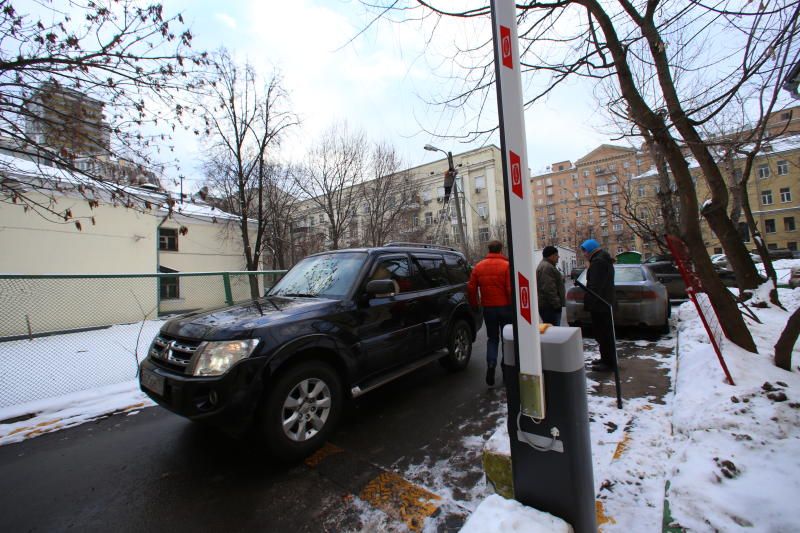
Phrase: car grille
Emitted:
{"points": [[172, 353]]}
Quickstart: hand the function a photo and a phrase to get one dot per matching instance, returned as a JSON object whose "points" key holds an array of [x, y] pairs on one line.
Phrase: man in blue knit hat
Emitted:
{"points": [[600, 280]]}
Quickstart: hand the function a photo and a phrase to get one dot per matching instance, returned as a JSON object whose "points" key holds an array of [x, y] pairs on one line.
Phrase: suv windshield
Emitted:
{"points": [[327, 276]]}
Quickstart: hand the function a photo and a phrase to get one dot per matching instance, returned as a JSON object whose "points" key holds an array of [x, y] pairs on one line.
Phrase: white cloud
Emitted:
{"points": [[226, 19]]}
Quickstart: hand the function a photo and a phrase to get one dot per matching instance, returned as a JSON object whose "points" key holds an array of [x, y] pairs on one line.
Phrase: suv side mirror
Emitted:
{"points": [[382, 288]]}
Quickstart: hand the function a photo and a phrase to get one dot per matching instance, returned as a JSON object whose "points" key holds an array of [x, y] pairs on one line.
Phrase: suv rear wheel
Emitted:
{"points": [[301, 409], [459, 346]]}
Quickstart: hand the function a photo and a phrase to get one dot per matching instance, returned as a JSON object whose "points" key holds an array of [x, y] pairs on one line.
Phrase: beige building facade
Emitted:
{"points": [[427, 217], [575, 201]]}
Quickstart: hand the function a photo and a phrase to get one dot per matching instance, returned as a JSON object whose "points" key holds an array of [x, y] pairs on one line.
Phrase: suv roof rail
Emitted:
{"points": [[420, 245]]}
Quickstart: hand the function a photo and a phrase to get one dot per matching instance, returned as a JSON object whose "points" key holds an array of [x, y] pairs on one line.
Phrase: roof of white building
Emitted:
{"points": [[63, 181]]}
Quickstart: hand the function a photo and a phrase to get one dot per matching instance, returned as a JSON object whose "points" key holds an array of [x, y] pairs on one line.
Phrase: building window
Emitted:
{"points": [[744, 233], [322, 216], [786, 115], [769, 225], [792, 245], [772, 246], [786, 195], [480, 183], [788, 224], [483, 210], [766, 197], [585, 173], [415, 221], [168, 239], [642, 191], [428, 218], [617, 228], [483, 234], [763, 171], [783, 168], [626, 164], [602, 189], [168, 286]]}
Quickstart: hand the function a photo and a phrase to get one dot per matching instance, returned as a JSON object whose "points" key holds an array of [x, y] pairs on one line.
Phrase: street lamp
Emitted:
{"points": [[452, 172]]}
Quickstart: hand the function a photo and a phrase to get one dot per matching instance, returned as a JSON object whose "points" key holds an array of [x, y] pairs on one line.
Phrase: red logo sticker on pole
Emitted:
{"points": [[516, 174], [524, 297], [505, 44]]}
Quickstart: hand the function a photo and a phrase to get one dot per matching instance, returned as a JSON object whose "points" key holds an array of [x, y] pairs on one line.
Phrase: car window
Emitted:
{"points": [[628, 274], [456, 268], [326, 275], [429, 271], [395, 268]]}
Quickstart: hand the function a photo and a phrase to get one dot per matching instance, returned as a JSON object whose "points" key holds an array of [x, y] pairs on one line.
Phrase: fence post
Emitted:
{"points": [[226, 280]]}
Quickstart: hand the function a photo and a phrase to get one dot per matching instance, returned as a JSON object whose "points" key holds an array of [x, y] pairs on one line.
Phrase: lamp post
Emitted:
{"points": [[453, 172]]}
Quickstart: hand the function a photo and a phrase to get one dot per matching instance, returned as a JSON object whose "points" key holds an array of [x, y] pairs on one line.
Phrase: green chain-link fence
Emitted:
{"points": [[66, 333]]}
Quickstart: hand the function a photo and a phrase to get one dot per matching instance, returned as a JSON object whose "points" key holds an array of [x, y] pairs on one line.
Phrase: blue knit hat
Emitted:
{"points": [[590, 245]]}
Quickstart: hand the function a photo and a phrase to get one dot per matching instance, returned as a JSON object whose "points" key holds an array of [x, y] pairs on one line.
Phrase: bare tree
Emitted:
{"points": [[281, 197], [244, 123], [658, 61], [387, 198], [83, 89], [336, 164]]}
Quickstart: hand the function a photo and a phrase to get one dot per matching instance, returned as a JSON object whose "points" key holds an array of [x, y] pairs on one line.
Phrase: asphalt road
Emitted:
{"points": [[154, 471]]}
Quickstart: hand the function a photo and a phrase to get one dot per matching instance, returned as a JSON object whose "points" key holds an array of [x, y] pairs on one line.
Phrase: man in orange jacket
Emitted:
{"points": [[492, 276]]}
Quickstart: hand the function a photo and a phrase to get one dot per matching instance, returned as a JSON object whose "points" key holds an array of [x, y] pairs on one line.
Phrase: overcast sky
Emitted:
{"points": [[378, 82]]}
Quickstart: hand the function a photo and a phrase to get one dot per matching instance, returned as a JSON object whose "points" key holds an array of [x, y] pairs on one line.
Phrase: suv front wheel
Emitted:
{"points": [[459, 346], [301, 409]]}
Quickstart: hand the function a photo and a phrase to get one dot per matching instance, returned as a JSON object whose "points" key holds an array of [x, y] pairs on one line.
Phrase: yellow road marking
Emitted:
{"points": [[318, 456], [400, 499], [622, 445], [600, 514]]}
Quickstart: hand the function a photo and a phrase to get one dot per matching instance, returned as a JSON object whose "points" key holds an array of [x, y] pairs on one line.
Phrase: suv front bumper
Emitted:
{"points": [[227, 401]]}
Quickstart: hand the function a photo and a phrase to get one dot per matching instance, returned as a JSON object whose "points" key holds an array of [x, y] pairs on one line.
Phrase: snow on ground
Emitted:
{"points": [[498, 514], [783, 269], [48, 367], [43, 416], [734, 461]]}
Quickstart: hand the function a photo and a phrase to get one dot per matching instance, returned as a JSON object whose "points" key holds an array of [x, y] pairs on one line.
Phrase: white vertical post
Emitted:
{"points": [[518, 205]]}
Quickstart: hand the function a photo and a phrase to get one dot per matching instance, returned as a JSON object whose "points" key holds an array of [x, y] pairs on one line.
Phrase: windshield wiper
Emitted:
{"points": [[297, 294]]}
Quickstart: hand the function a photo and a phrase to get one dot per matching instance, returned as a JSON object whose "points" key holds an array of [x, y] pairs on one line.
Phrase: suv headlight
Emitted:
{"points": [[216, 357]]}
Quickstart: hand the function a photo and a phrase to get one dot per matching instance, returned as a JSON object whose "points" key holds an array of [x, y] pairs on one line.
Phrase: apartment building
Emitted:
{"points": [[773, 191], [586, 199], [426, 214]]}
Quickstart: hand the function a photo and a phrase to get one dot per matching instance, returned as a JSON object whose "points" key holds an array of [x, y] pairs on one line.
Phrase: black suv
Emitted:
{"points": [[336, 325]]}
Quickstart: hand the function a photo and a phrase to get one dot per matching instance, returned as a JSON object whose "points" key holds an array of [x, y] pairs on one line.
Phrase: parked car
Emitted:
{"points": [[794, 277], [336, 325], [641, 299], [659, 257], [721, 260], [667, 273], [780, 253]]}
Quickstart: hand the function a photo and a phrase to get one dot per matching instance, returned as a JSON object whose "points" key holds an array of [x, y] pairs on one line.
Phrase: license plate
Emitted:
{"points": [[153, 382]]}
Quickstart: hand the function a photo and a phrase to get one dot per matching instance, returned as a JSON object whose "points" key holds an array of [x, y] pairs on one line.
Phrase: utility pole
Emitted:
{"points": [[451, 175]]}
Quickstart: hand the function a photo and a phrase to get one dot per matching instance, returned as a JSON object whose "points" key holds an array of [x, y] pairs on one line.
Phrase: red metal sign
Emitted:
{"points": [[694, 288], [516, 174], [505, 47], [524, 297]]}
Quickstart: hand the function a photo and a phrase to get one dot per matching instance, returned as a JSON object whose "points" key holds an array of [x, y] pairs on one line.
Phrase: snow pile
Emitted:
{"points": [[45, 416], [734, 457], [496, 513]]}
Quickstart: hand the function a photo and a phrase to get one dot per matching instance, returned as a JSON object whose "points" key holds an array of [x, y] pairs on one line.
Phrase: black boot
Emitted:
{"points": [[490, 376]]}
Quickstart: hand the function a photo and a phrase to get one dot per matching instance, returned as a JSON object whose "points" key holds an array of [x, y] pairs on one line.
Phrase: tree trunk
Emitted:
{"points": [[762, 251], [785, 344]]}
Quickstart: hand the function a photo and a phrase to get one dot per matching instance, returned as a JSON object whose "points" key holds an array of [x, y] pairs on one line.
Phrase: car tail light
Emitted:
{"points": [[575, 296], [649, 295]]}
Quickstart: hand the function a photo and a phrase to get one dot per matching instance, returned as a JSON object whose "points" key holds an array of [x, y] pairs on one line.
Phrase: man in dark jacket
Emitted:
{"points": [[550, 287], [600, 280]]}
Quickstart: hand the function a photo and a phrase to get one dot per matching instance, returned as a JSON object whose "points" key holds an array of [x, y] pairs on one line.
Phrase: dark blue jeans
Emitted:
{"points": [[550, 316], [495, 318]]}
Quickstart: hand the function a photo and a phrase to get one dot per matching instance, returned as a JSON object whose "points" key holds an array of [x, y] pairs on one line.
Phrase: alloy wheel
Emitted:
{"points": [[306, 409]]}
